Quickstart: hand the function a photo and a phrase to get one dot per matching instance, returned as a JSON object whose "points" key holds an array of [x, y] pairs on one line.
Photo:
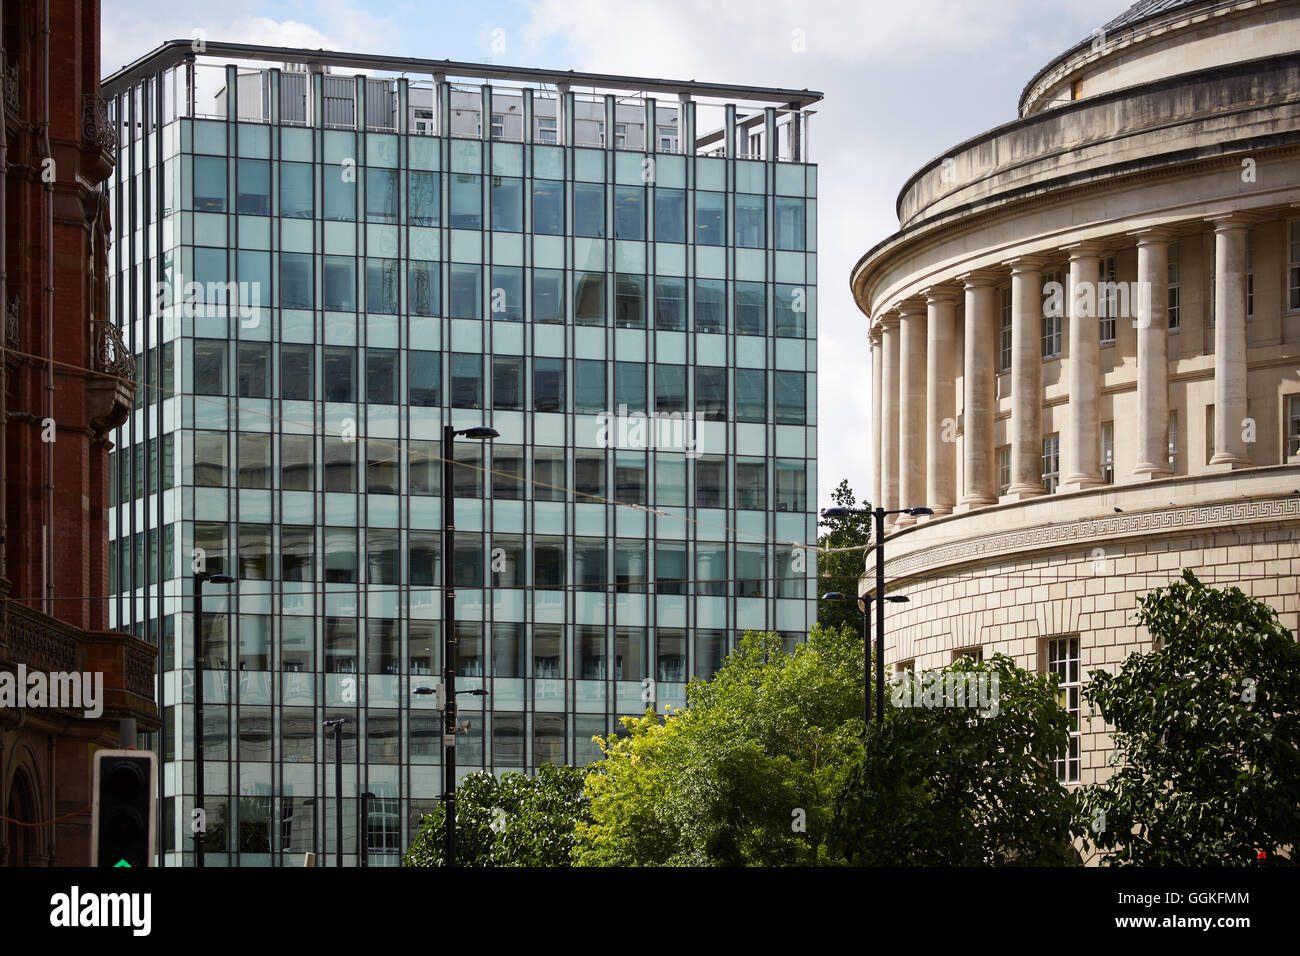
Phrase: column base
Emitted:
{"points": [[1081, 482], [904, 521], [973, 502], [1024, 492], [939, 512], [1229, 462], [1147, 471]]}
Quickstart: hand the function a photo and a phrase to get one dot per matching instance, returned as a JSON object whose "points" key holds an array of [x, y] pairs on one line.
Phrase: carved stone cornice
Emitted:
{"points": [[1087, 531]]}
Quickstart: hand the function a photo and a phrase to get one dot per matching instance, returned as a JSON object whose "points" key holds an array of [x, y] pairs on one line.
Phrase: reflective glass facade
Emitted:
{"points": [[313, 286]]}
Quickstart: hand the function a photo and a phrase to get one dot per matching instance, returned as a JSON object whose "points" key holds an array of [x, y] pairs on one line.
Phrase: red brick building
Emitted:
{"points": [[67, 381]]}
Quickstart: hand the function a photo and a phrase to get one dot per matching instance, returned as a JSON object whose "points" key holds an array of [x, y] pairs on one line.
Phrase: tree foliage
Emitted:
{"points": [[945, 785], [841, 570], [511, 820], [1207, 735], [745, 774]]}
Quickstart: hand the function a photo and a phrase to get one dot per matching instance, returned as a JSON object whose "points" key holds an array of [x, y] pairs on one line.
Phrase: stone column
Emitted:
{"points": [[1082, 451], [1026, 378], [877, 367], [940, 400], [980, 400], [889, 412], [1153, 353], [1230, 450], [911, 416]]}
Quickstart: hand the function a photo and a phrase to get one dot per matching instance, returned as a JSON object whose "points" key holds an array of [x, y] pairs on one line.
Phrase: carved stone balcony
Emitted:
{"points": [[48, 645], [12, 99], [13, 327], [98, 134], [110, 392]]}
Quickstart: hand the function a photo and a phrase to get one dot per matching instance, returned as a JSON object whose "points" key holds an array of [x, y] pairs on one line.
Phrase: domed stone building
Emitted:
{"points": [[1086, 351]]}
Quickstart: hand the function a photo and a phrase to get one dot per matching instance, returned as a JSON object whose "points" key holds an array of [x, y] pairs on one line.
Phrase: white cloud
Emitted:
{"points": [[903, 81], [132, 28]]}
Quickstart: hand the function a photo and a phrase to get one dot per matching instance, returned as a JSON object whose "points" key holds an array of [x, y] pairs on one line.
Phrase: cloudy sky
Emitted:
{"points": [[903, 81]]}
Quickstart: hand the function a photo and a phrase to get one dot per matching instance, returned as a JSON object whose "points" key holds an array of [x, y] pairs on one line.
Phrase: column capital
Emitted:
{"points": [[1231, 221], [1090, 249], [978, 278], [874, 336], [914, 305], [1153, 235], [887, 321], [1028, 263], [942, 293]]}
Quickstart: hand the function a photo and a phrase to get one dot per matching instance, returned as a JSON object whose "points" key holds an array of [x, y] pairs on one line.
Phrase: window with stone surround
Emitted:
{"points": [[1062, 659], [1108, 452], [1004, 330], [1052, 321], [1292, 425], [1107, 301], [975, 654], [1250, 275], [1173, 439], [1051, 461], [1293, 270], [1004, 469], [1209, 433], [1175, 316]]}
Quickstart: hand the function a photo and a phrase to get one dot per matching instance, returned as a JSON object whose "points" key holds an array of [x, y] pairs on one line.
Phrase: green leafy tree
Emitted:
{"points": [[745, 774], [511, 820], [960, 786], [840, 570], [1207, 735]]}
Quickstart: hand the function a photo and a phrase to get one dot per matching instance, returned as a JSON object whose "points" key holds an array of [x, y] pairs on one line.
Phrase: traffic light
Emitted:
{"points": [[122, 831]]}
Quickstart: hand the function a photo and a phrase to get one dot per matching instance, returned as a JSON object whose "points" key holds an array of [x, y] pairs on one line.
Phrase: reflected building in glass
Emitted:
{"points": [[319, 260]]}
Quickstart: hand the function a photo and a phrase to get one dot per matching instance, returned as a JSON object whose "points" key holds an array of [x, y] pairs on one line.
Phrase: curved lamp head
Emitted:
{"points": [[216, 578], [835, 512], [832, 596], [479, 431], [917, 512]]}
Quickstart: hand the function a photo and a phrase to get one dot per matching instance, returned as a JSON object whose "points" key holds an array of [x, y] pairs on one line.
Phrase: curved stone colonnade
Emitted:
{"points": [[1085, 346]]}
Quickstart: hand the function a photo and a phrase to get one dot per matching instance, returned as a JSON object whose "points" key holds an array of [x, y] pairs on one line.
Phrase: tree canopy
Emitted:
{"points": [[840, 570], [1207, 735], [511, 820], [938, 784], [745, 774]]}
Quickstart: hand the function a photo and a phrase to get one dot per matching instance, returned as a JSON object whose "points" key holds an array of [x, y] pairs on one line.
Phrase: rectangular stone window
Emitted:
{"points": [[1209, 433], [1175, 315], [1292, 426], [1052, 319], [1107, 301], [1173, 439], [1051, 462], [1062, 659], [1250, 275], [1293, 269], [1004, 330], [1108, 452], [1004, 469]]}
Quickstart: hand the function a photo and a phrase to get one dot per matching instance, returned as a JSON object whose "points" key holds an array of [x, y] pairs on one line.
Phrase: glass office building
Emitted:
{"points": [[319, 261]]}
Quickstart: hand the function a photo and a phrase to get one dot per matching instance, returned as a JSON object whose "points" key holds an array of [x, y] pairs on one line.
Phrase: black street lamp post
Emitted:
{"points": [[363, 829], [879, 514], [337, 726], [449, 433], [864, 605], [200, 826]]}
